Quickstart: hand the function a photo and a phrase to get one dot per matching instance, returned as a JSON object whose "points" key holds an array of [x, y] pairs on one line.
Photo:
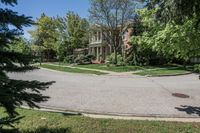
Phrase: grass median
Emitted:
{"points": [[71, 70], [46, 122]]}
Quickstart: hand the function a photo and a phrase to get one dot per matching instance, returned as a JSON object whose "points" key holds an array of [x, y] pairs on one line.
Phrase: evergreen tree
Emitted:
{"points": [[14, 93]]}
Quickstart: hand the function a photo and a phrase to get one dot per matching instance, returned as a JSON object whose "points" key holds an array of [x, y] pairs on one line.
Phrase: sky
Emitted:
{"points": [[35, 8]]}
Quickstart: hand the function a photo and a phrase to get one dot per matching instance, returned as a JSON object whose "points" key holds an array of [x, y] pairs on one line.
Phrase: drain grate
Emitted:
{"points": [[180, 95]]}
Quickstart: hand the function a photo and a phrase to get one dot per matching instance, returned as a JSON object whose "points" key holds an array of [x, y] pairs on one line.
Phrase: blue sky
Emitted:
{"points": [[34, 8]]}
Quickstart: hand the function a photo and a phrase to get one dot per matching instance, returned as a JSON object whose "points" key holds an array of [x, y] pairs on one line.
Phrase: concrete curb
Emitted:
{"points": [[118, 116]]}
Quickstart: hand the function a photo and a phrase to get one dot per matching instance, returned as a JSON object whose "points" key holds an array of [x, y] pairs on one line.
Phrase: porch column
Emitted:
{"points": [[97, 36], [93, 53], [98, 53], [101, 53]]}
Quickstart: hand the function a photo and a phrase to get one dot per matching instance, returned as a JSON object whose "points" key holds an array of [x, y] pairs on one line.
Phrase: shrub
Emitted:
{"points": [[90, 57], [111, 60], [84, 59], [197, 68], [70, 59]]}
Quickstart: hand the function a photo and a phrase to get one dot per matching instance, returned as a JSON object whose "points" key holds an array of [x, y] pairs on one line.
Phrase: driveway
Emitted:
{"points": [[120, 95]]}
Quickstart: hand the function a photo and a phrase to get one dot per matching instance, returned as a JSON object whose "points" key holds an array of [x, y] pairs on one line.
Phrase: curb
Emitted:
{"points": [[118, 116]]}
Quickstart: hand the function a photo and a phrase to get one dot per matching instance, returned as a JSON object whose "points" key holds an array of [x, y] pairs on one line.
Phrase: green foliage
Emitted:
{"points": [[46, 35], [13, 93], [170, 40], [21, 46], [73, 33], [177, 11], [77, 30], [70, 59], [60, 35], [81, 59], [197, 68], [111, 60], [84, 59]]}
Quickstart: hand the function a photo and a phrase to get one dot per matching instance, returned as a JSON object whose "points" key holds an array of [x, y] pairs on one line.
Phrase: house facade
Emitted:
{"points": [[100, 48]]}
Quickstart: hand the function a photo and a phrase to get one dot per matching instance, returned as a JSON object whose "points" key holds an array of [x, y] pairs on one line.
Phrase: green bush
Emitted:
{"points": [[111, 60], [90, 57], [84, 59], [70, 59], [197, 68]]}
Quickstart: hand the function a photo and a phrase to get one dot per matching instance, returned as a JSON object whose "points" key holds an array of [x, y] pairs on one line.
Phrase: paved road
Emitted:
{"points": [[120, 95]]}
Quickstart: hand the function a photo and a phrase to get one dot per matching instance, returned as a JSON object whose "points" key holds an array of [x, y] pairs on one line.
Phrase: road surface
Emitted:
{"points": [[120, 95]]}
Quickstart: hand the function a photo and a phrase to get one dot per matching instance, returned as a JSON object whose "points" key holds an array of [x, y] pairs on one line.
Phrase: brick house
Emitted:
{"points": [[99, 47]]}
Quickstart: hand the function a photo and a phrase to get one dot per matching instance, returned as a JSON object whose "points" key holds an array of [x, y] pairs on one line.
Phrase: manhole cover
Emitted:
{"points": [[180, 95]]}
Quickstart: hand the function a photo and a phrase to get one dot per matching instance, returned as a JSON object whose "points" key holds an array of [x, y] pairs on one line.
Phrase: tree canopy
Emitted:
{"points": [[170, 39], [46, 34], [177, 11]]}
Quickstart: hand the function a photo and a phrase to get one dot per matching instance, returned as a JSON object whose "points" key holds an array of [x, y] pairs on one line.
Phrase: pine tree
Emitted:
{"points": [[14, 93]]}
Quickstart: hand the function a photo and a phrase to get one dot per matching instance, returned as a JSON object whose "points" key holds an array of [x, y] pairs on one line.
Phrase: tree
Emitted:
{"points": [[14, 93], [170, 39], [177, 11], [46, 35], [73, 33], [21, 46], [112, 16], [77, 29]]}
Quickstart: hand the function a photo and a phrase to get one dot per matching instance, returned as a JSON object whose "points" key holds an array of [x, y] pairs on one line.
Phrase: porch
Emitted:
{"points": [[100, 52]]}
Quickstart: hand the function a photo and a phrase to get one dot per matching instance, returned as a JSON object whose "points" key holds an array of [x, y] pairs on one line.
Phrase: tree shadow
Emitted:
{"points": [[38, 130], [189, 109]]}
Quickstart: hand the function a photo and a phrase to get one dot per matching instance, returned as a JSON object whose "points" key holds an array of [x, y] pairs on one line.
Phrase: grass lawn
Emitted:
{"points": [[165, 71], [73, 70], [46, 122], [111, 67]]}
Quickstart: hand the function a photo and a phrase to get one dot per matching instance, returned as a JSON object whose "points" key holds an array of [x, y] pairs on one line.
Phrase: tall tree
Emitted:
{"points": [[46, 34], [77, 30], [14, 93], [170, 39], [112, 16], [177, 11], [73, 32]]}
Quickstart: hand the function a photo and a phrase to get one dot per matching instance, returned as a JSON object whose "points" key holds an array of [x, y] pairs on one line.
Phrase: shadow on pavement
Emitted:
{"points": [[189, 109]]}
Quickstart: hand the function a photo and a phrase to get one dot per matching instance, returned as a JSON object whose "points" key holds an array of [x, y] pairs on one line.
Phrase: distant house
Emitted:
{"points": [[100, 48]]}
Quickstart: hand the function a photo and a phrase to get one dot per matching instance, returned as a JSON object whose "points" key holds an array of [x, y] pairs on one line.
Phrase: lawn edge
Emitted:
{"points": [[150, 117], [102, 73]]}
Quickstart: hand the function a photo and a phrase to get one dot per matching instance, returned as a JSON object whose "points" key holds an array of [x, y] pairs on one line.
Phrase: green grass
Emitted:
{"points": [[133, 68], [72, 70], [46, 122], [163, 72], [111, 67]]}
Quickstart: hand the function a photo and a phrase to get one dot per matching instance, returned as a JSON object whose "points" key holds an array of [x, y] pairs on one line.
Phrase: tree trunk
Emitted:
{"points": [[115, 53], [48, 55]]}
